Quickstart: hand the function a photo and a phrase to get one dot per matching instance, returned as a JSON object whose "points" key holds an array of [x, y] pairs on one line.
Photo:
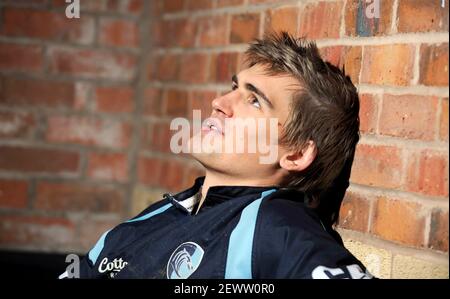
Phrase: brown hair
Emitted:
{"points": [[325, 110]]}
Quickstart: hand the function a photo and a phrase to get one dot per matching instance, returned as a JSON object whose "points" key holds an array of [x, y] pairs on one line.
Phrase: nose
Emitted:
{"points": [[223, 105]]}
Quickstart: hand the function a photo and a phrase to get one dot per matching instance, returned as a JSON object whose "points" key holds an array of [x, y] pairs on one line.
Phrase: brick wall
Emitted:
{"points": [[69, 116], [85, 107]]}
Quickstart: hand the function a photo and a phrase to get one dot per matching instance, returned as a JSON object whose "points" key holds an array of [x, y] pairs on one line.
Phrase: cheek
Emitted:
{"points": [[269, 131]]}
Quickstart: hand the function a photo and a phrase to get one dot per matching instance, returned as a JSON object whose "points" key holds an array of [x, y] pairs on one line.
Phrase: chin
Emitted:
{"points": [[218, 162], [206, 159]]}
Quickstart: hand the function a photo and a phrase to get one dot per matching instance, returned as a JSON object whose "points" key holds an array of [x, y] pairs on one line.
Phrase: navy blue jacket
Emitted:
{"points": [[239, 232]]}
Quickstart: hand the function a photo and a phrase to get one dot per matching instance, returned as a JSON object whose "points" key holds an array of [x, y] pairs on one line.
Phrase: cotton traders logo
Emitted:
{"points": [[184, 260], [112, 267]]}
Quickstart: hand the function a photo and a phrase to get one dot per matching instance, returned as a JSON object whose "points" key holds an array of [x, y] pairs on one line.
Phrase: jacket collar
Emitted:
{"points": [[188, 199]]}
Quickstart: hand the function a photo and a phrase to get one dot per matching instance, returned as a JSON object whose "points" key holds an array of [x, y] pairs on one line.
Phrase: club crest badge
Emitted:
{"points": [[184, 260]]}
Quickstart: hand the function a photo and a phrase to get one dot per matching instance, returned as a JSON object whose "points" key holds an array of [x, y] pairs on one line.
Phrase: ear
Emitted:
{"points": [[298, 161]]}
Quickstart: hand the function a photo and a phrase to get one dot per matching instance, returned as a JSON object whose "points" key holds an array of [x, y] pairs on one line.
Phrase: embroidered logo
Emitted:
{"points": [[112, 267], [184, 260]]}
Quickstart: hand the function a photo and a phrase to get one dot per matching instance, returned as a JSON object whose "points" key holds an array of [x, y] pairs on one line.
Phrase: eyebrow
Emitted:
{"points": [[254, 89]]}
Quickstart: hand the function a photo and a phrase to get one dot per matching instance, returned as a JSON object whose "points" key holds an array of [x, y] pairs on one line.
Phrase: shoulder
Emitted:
{"points": [[286, 209], [285, 225], [125, 232], [291, 242]]}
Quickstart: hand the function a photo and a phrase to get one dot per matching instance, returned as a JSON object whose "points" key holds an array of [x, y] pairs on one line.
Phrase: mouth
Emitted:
{"points": [[212, 125]]}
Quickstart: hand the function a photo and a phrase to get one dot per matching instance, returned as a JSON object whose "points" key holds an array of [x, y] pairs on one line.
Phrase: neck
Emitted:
{"points": [[213, 178]]}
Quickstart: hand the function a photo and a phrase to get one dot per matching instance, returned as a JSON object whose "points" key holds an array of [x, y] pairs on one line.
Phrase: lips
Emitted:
{"points": [[213, 125]]}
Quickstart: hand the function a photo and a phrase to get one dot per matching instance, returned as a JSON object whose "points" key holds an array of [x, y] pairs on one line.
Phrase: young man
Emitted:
{"points": [[245, 218]]}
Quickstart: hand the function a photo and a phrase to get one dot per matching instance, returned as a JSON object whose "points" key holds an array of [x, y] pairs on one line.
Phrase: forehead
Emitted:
{"points": [[278, 88]]}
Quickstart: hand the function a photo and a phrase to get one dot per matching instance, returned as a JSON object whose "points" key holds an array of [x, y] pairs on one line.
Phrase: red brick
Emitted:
{"points": [[164, 67], [212, 31], [36, 92], [282, 19], [427, 173], [113, 5], [153, 100], [359, 23], [332, 54], [59, 3], [38, 232], [92, 227], [20, 57], [320, 20], [82, 95], [173, 177], [194, 68], [354, 212], [47, 25], [434, 65], [399, 221], [33, 3], [114, 99], [443, 126], [191, 173], [99, 64], [16, 124], [174, 33], [145, 136], [224, 3], [346, 58], [409, 116], [201, 100], [223, 66], [244, 28], [88, 131], [13, 194], [422, 16], [173, 6], [87, 5], [381, 64], [24, 159], [262, 1], [157, 8], [368, 113], [56, 196], [241, 61], [379, 166], [160, 137], [351, 62], [149, 170], [176, 103], [118, 32], [198, 4], [151, 69], [438, 239], [133, 7], [108, 166]]}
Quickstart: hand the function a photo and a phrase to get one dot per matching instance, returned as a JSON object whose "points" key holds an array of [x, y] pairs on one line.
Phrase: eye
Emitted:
{"points": [[255, 102], [234, 86]]}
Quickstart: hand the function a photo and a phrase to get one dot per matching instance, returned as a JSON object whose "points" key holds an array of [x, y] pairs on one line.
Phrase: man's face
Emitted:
{"points": [[241, 136]]}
